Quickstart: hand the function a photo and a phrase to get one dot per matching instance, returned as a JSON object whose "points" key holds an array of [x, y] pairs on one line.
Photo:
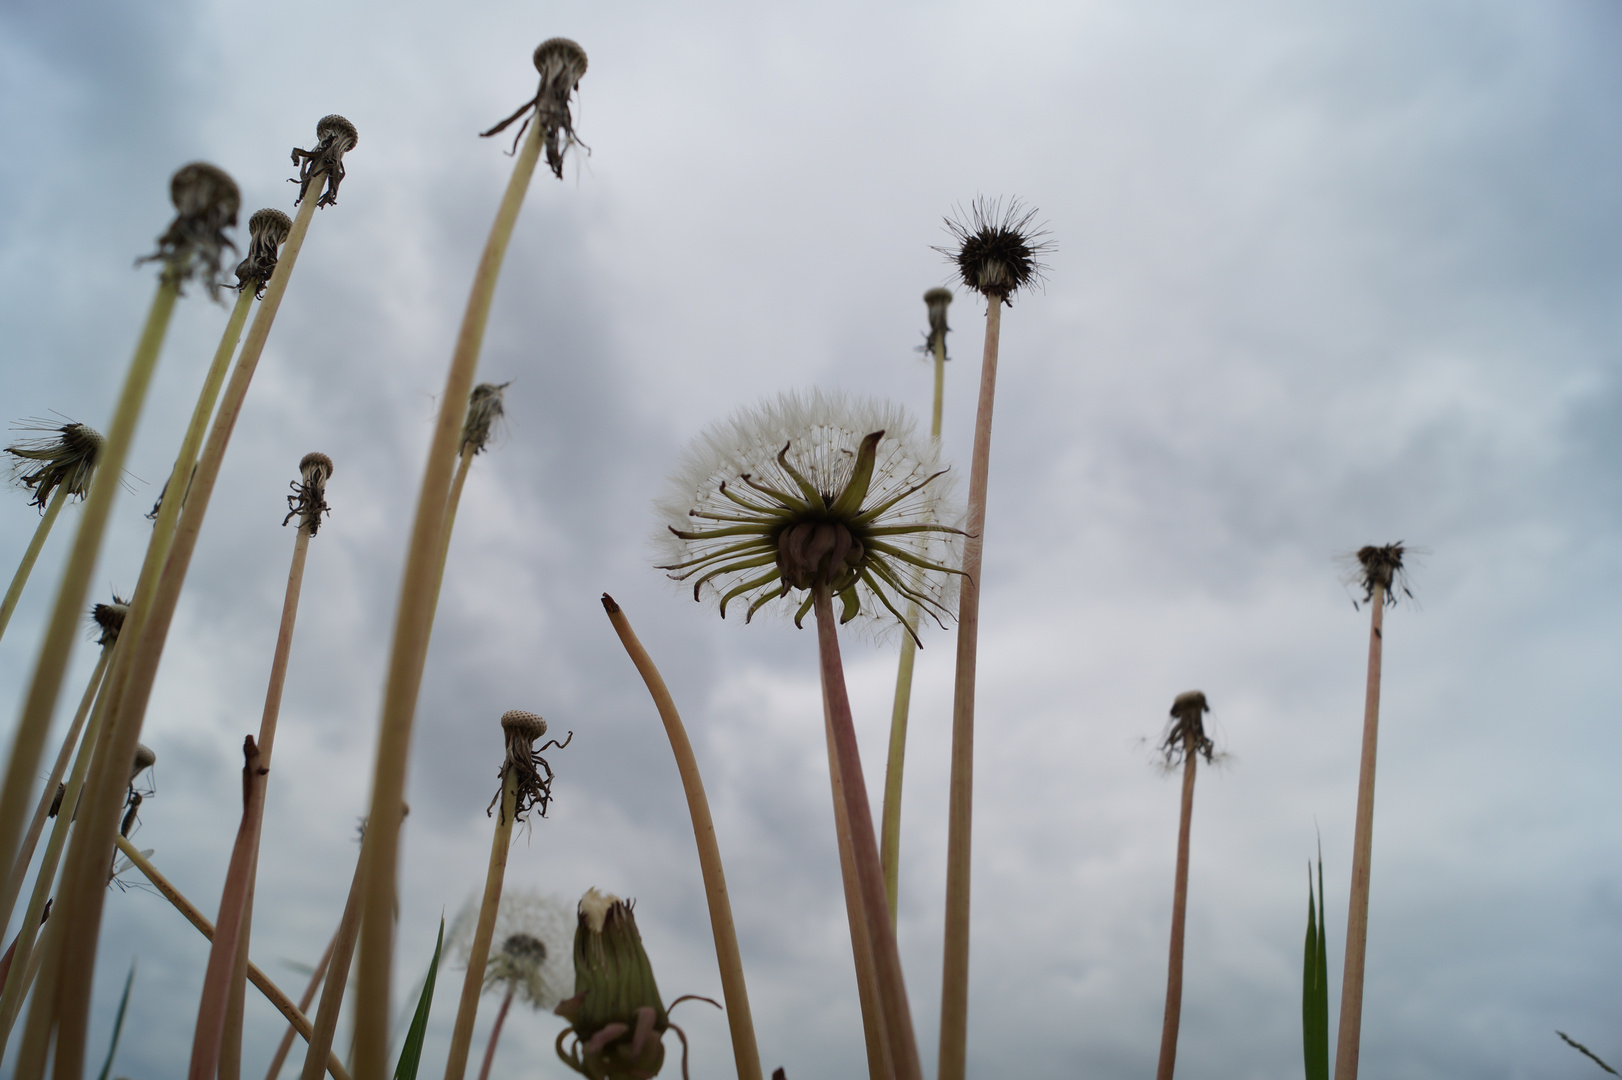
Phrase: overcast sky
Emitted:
{"points": [[1325, 275]]}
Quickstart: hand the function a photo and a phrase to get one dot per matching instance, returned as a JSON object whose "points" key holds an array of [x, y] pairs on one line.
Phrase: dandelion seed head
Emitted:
{"points": [[66, 458], [267, 231], [485, 406], [520, 729], [335, 137], [561, 64], [110, 619], [808, 491], [533, 946], [997, 248], [206, 202], [526, 725]]}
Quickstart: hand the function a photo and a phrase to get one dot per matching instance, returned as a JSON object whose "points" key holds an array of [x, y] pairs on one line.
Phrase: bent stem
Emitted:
{"points": [[82, 891], [1179, 906], [740, 1021], [479, 954], [495, 1032], [286, 1045], [418, 591], [960, 807], [26, 567], [865, 849], [1357, 908]]}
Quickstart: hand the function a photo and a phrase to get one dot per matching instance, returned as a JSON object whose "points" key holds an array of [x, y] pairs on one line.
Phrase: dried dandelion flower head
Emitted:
{"points": [[524, 759], [485, 406], [997, 249], [145, 758], [1381, 568], [533, 952], [110, 619], [1186, 731], [810, 492], [206, 203], [937, 300], [561, 63], [615, 1015], [267, 230], [67, 459], [309, 498], [335, 137]]}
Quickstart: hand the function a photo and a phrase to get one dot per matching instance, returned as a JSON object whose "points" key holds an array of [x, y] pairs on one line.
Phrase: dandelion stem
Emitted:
{"points": [[740, 1020], [960, 806], [479, 953], [1357, 908], [82, 891], [272, 992], [495, 1032], [57, 643], [864, 847], [332, 992], [412, 625], [1179, 908], [310, 988], [26, 567]]}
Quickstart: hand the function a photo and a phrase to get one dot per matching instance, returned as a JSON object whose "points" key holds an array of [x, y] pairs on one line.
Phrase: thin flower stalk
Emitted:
{"points": [[740, 1020], [284, 1047], [996, 253], [495, 1033], [936, 301], [53, 468], [530, 957], [419, 591], [308, 504], [1186, 741], [82, 893], [485, 408], [1382, 579], [525, 782], [272, 992], [25, 568], [325, 1027]]}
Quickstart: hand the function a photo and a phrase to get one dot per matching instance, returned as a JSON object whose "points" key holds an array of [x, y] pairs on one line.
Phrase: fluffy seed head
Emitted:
{"points": [[1186, 732], [807, 492], [997, 249], [267, 231], [110, 618], [335, 137], [66, 458], [206, 203], [533, 953], [485, 406]]}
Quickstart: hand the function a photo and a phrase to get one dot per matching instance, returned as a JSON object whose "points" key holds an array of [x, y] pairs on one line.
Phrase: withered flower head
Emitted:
{"points": [[813, 492], [561, 63], [335, 137], [309, 498], [206, 203], [997, 249], [110, 618], [1187, 729], [937, 300], [484, 407], [66, 459], [267, 229], [1381, 568], [524, 759], [616, 1016]]}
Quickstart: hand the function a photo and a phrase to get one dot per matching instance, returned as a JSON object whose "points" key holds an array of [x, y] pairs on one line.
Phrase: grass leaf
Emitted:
{"points": [[411, 1052], [118, 1023], [1315, 985]]}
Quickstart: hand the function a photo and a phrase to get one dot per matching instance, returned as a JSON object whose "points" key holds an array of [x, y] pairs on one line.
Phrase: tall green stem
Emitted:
{"points": [[413, 623], [478, 955], [26, 567], [1349, 1038], [1179, 909]]}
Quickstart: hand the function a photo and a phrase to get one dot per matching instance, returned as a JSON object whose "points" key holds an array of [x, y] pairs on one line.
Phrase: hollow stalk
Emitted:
{"points": [[495, 1032], [479, 954], [1179, 908], [286, 1045], [30, 556]]}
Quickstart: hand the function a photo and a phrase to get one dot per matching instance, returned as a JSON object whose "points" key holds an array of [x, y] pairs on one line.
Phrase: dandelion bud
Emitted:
{"points": [[561, 64], [309, 498], [484, 407], [616, 1014], [335, 137], [937, 300], [68, 459], [267, 231], [206, 202], [997, 249]]}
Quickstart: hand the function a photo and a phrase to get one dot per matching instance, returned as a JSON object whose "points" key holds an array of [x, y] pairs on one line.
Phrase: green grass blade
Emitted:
{"points": [[118, 1023], [411, 1052], [1315, 986]]}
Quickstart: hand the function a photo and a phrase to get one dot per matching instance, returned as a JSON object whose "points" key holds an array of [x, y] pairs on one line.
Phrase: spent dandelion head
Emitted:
{"points": [[937, 300], [65, 458], [109, 619], [997, 248], [1380, 567], [524, 760], [267, 229], [561, 63], [309, 498], [206, 202], [485, 406], [810, 492], [335, 137], [533, 947], [1186, 731]]}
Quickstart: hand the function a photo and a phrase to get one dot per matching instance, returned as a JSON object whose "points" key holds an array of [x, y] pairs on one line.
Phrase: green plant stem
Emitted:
{"points": [[272, 992], [57, 642], [82, 892], [332, 991], [495, 1032], [865, 849], [1357, 908], [413, 623], [1179, 909], [310, 988], [26, 567], [954, 1035], [478, 956], [740, 1020]]}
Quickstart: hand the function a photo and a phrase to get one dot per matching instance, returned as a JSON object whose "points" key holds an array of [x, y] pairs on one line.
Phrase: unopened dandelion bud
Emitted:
{"points": [[997, 249], [485, 406], [616, 1015], [309, 498], [561, 63], [335, 137], [66, 458], [267, 230], [206, 202]]}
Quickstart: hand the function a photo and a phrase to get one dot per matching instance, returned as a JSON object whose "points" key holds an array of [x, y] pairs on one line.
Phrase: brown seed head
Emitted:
{"points": [[485, 406], [67, 459], [335, 137], [1381, 568], [525, 725], [560, 58], [309, 498], [267, 231], [110, 618], [206, 202], [1186, 732], [561, 63], [524, 761], [145, 758], [997, 249]]}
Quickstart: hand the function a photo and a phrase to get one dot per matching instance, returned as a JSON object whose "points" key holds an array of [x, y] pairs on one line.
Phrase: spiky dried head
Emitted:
{"points": [[1380, 569], [110, 619], [998, 249], [66, 458], [561, 63]]}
